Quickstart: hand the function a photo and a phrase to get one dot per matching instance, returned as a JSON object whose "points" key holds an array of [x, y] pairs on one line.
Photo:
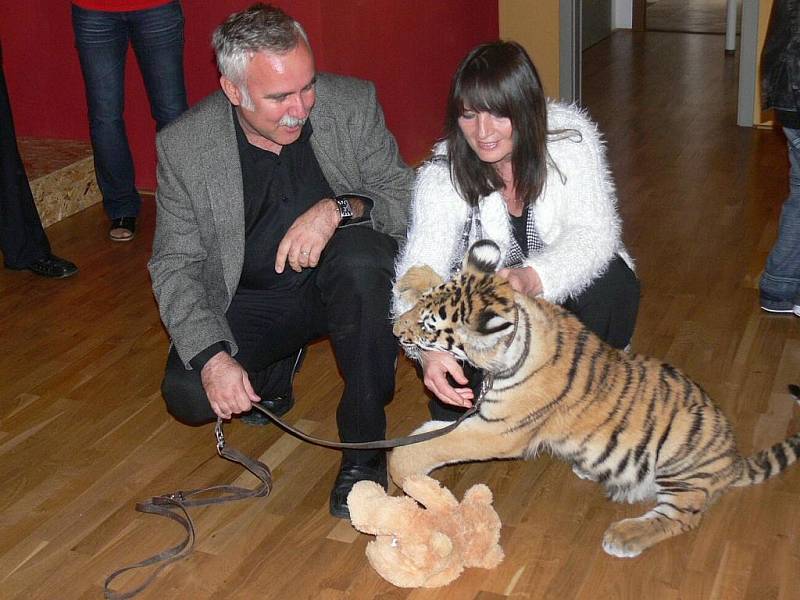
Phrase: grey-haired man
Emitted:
{"points": [[281, 200]]}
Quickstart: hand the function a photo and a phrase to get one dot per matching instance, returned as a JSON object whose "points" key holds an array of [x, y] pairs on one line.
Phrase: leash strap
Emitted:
{"points": [[377, 444], [174, 505]]}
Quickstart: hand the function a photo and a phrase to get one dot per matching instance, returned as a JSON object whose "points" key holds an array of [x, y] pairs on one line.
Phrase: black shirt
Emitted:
{"points": [[520, 230], [277, 188]]}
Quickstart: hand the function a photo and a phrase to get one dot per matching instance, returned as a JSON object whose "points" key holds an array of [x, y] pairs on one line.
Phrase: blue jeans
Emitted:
{"points": [[102, 40], [780, 283]]}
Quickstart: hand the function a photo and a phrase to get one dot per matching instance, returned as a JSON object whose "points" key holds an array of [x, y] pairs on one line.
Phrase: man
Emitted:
{"points": [[23, 242], [278, 201], [780, 68]]}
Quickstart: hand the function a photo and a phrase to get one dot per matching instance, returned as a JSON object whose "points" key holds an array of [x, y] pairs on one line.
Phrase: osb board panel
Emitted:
{"points": [[66, 191]]}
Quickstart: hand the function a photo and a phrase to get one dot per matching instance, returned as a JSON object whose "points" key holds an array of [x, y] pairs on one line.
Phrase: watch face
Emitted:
{"points": [[345, 210]]}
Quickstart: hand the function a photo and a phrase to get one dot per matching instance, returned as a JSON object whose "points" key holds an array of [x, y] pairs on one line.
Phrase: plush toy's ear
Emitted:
{"points": [[429, 492], [478, 493], [417, 281], [483, 257]]}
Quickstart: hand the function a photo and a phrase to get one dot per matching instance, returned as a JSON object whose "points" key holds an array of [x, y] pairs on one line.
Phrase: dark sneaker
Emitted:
{"points": [[774, 305]]}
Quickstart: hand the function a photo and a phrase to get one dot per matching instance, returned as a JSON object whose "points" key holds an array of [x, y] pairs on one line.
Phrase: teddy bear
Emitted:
{"points": [[426, 539]]}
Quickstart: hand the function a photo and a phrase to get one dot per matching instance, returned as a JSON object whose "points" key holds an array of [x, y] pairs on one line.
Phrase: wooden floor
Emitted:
{"points": [[688, 16], [84, 433]]}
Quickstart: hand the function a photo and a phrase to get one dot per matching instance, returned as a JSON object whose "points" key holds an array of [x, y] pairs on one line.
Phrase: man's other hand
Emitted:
{"points": [[307, 237]]}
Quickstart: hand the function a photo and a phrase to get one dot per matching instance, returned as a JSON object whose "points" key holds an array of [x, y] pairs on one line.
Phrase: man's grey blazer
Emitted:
{"points": [[198, 248]]}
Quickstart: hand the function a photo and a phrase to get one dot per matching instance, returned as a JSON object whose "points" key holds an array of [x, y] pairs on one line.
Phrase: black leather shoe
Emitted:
{"points": [[349, 474], [53, 267], [279, 406]]}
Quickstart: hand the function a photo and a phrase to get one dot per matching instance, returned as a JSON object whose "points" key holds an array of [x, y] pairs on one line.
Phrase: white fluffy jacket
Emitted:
{"points": [[576, 215]]}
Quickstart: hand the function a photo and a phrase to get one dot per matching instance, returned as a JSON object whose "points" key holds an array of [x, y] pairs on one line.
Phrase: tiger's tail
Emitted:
{"points": [[772, 461]]}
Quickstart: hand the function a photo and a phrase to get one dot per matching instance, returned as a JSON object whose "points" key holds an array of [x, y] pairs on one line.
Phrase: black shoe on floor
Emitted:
{"points": [[279, 406], [349, 474], [52, 266]]}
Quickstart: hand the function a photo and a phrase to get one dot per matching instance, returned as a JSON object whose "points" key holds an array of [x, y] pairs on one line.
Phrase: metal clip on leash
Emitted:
{"points": [[173, 505]]}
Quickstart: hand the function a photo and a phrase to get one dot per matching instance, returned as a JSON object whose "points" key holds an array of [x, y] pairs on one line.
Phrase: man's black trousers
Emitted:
{"points": [[347, 299]]}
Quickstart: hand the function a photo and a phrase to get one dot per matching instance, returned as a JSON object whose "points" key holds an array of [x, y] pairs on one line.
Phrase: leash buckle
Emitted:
{"points": [[168, 499], [220, 436]]}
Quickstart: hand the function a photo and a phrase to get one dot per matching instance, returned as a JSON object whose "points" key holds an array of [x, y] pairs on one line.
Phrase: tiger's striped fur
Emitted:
{"points": [[636, 425]]}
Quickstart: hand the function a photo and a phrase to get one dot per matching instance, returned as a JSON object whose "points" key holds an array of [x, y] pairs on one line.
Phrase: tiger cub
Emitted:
{"points": [[638, 426]]}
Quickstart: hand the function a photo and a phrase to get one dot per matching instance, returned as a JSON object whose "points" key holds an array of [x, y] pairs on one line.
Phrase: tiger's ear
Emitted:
{"points": [[415, 282], [483, 257]]}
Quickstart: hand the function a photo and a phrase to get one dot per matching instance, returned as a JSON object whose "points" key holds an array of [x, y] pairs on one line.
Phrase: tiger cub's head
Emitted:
{"points": [[472, 316]]}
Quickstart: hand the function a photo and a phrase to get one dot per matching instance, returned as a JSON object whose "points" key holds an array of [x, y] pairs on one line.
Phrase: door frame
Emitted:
{"points": [[748, 54]]}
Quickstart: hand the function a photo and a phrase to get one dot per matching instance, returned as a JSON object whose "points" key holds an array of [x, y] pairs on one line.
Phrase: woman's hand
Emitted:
{"points": [[435, 367], [524, 280]]}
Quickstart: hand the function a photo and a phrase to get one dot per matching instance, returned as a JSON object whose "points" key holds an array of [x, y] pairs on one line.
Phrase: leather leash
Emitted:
{"points": [[174, 505]]}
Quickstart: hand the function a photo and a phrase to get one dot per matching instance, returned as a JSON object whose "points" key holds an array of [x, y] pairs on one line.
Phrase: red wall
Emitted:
{"points": [[409, 48]]}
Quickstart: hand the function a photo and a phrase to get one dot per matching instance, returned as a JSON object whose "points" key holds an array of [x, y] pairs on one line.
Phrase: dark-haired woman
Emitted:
{"points": [[532, 176]]}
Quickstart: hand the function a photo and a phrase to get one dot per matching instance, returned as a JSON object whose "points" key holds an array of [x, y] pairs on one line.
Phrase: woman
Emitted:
{"points": [[532, 176]]}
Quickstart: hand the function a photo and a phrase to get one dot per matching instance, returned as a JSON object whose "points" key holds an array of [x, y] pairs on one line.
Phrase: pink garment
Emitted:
{"points": [[119, 5]]}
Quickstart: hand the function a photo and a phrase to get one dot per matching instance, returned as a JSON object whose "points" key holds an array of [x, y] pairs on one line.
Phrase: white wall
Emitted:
{"points": [[621, 14]]}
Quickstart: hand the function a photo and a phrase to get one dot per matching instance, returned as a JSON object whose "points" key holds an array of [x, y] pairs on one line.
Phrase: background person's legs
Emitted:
{"points": [[157, 39], [22, 238], [780, 282], [101, 39]]}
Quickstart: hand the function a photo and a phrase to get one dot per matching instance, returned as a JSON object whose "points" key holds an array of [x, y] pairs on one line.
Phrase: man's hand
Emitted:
{"points": [[524, 280], [308, 236], [435, 366], [227, 386]]}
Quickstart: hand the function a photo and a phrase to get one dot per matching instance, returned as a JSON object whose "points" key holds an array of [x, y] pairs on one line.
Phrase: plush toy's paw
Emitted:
{"points": [[373, 511]]}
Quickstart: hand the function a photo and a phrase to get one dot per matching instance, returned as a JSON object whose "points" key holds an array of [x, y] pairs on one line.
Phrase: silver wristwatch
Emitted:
{"points": [[345, 209]]}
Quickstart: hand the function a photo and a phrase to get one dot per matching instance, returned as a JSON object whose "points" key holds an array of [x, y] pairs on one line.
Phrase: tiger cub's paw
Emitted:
{"points": [[583, 474], [625, 539]]}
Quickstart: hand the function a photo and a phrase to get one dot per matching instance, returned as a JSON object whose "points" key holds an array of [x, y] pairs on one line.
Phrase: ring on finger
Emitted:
{"points": [[304, 252]]}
